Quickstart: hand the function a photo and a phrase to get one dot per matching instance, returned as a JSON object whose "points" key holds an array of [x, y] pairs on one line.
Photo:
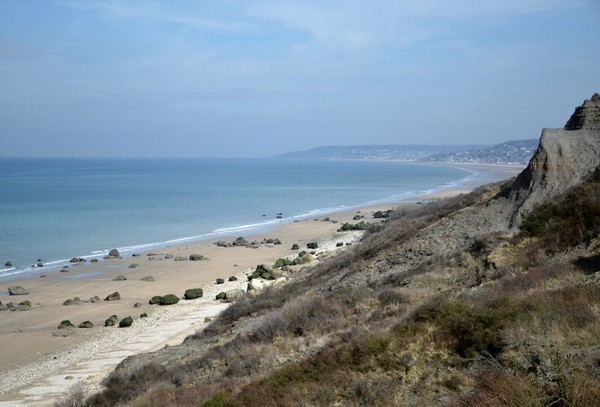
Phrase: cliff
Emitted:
{"points": [[563, 158]]}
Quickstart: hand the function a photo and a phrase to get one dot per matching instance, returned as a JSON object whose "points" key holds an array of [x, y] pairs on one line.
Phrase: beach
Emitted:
{"points": [[41, 362]]}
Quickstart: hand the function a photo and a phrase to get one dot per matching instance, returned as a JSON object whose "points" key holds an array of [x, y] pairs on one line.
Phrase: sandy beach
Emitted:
{"points": [[40, 362]]}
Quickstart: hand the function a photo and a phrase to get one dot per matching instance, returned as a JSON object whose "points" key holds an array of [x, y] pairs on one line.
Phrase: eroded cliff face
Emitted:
{"points": [[563, 158]]}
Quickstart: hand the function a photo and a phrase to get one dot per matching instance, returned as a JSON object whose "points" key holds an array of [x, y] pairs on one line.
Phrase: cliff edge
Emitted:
{"points": [[564, 157]]}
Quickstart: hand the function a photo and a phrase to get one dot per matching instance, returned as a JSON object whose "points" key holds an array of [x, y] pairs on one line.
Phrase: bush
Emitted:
{"points": [[391, 297], [346, 227], [74, 398]]}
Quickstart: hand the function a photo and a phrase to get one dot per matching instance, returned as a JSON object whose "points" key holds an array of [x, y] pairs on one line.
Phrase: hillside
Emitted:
{"points": [[487, 299], [510, 152]]}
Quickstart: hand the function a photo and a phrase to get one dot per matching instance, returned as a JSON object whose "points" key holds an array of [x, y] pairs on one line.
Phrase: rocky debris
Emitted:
{"points": [[126, 322], [148, 279], [168, 299], [114, 253], [95, 299], [193, 293], [22, 306], [65, 324], [120, 278], [113, 297], [72, 301], [86, 324], [196, 257], [111, 321], [17, 290]]}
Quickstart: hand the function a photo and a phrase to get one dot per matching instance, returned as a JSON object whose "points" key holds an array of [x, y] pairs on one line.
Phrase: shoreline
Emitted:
{"points": [[479, 174], [47, 365]]}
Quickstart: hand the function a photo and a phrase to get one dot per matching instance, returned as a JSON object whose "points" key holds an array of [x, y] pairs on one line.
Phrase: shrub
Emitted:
{"points": [[218, 399], [391, 297], [351, 227], [74, 398]]}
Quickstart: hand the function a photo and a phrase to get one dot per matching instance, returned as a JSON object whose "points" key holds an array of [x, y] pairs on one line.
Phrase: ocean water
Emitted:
{"points": [[57, 208]]}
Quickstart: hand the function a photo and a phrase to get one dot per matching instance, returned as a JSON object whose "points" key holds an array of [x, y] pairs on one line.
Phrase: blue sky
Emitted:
{"points": [[256, 78]]}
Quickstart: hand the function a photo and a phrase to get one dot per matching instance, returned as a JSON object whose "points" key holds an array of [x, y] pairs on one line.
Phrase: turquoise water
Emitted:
{"points": [[57, 208]]}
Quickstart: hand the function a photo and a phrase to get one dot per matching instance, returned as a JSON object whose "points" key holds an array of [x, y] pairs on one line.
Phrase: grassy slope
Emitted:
{"points": [[509, 320]]}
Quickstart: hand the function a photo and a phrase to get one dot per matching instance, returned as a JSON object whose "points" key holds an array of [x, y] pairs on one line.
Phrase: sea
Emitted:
{"points": [[56, 208]]}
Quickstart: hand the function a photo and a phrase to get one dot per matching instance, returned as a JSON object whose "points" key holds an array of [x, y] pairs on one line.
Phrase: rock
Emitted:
{"points": [[86, 324], [95, 299], [43, 275], [240, 241], [113, 297], [234, 295], [64, 334], [193, 293], [126, 322], [114, 253], [196, 257], [149, 279], [181, 258], [308, 258], [262, 271], [8, 264], [220, 281], [65, 269], [233, 278], [133, 265], [135, 255], [222, 243], [295, 247], [17, 290], [312, 245], [169, 299], [11, 306], [76, 260], [22, 306], [564, 157], [155, 300], [339, 244], [282, 262], [72, 301], [168, 256], [256, 285], [120, 278], [111, 321], [66, 324], [40, 264], [220, 296], [143, 315], [137, 305], [94, 260]]}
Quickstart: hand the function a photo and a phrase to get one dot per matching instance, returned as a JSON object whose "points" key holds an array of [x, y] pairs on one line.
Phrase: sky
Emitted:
{"points": [[236, 78]]}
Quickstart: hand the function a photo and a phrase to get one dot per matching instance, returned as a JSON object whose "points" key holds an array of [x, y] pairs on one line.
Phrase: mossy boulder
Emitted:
{"points": [[220, 281], [126, 322], [86, 324], [312, 245], [111, 321], [262, 271], [233, 278], [193, 293], [113, 297], [295, 246], [66, 324], [169, 299], [196, 257], [155, 300], [283, 262], [221, 296]]}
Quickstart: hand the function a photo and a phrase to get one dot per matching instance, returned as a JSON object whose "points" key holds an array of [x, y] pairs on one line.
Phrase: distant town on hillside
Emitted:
{"points": [[517, 152]]}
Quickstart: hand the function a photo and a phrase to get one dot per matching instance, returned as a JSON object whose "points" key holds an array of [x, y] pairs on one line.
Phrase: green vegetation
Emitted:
{"points": [[346, 227]]}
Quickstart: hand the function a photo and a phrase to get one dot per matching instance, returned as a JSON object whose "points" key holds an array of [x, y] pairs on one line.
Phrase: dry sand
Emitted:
{"points": [[38, 367]]}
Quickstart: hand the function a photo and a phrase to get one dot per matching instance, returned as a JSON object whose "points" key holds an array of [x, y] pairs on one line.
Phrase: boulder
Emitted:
{"points": [[262, 271], [133, 265], [220, 296], [135, 255], [72, 301], [233, 295], [40, 264], [312, 245], [149, 279], [222, 243], [76, 260], [193, 293], [256, 285], [308, 258], [295, 247], [155, 300], [22, 306], [143, 315], [339, 244], [120, 278], [65, 269], [113, 297], [220, 281], [66, 324], [169, 299], [181, 258], [240, 241], [8, 264], [168, 256], [137, 305], [111, 321], [114, 253], [17, 290], [95, 299], [94, 260], [86, 324], [196, 257], [126, 322], [233, 278]]}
